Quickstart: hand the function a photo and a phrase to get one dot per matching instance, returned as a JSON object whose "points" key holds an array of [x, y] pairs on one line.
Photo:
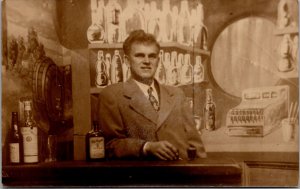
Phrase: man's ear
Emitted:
{"points": [[126, 60]]}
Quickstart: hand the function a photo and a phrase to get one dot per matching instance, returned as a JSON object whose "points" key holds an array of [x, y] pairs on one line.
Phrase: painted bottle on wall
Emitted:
{"points": [[154, 21], [184, 35], [175, 23], [198, 70], [113, 22], [283, 16], [160, 73], [166, 22], [95, 32], [133, 16], [116, 68], [179, 64], [173, 69], [101, 74], [126, 69], [108, 66], [284, 62], [209, 111], [186, 70]]}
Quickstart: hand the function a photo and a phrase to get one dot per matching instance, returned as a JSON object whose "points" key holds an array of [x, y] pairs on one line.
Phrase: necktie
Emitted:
{"points": [[152, 99]]}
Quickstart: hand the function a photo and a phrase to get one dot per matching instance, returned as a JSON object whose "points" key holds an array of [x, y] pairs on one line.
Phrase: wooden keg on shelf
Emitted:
{"points": [[47, 87]]}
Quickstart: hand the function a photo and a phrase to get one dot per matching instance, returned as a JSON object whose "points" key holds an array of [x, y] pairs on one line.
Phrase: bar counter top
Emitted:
{"points": [[199, 172]]}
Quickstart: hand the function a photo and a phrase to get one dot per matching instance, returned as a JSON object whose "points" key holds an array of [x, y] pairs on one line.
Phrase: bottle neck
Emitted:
{"points": [[95, 126], [209, 99], [29, 122], [28, 114]]}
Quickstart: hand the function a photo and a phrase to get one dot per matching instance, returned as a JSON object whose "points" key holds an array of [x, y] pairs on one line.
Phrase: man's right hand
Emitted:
{"points": [[162, 149]]}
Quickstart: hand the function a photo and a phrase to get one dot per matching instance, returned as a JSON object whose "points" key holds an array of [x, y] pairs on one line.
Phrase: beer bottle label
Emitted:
{"points": [[97, 147], [14, 152], [30, 142]]}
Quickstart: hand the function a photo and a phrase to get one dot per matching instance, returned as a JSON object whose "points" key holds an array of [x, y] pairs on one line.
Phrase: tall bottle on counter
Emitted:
{"points": [[15, 141], [94, 140], [209, 111], [30, 135]]}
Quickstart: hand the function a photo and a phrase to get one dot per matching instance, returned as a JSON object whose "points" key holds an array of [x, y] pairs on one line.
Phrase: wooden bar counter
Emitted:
{"points": [[199, 172]]}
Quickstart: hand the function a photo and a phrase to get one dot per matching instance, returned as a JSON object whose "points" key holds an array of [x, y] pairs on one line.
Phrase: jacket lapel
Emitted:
{"points": [[138, 101], [166, 104]]}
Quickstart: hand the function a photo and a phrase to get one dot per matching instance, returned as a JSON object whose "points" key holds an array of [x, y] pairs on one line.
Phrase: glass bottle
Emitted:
{"points": [[95, 149], [116, 68], [30, 135], [101, 75], [15, 141], [209, 111]]}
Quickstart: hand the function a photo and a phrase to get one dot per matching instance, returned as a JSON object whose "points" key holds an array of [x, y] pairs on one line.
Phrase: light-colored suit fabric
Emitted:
{"points": [[128, 120]]}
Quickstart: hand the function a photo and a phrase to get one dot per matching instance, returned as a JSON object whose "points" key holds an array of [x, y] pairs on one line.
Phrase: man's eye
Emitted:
{"points": [[153, 56], [140, 55]]}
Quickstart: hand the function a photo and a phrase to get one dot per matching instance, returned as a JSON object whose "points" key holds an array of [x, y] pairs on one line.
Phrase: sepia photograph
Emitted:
{"points": [[150, 93]]}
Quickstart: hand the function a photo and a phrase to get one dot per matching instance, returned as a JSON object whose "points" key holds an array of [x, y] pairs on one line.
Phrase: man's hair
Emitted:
{"points": [[139, 37]]}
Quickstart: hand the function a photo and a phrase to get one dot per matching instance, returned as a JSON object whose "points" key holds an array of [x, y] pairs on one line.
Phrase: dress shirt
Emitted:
{"points": [[145, 88]]}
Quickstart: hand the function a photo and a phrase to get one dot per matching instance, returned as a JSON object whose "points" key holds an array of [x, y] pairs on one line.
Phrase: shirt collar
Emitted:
{"points": [[145, 88]]}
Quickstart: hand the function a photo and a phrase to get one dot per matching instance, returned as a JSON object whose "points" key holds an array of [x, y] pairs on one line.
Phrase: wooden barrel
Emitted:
{"points": [[47, 87]]}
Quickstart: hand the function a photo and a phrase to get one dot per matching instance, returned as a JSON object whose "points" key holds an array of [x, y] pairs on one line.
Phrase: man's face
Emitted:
{"points": [[143, 61]]}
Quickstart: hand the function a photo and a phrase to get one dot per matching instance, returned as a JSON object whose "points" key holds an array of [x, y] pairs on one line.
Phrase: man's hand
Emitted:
{"points": [[161, 149]]}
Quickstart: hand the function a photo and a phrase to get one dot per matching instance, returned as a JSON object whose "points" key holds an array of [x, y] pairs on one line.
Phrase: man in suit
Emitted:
{"points": [[142, 118]]}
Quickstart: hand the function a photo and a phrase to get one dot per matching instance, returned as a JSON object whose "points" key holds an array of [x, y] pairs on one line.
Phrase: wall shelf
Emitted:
{"points": [[163, 45], [287, 30], [96, 90]]}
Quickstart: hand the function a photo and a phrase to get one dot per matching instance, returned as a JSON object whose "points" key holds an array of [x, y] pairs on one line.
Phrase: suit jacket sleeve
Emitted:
{"points": [[193, 136], [117, 143]]}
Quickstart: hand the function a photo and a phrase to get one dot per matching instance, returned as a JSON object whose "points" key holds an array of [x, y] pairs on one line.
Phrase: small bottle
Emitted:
{"points": [[94, 140], [198, 70], [101, 74], [108, 67], [15, 141], [30, 135], [209, 112], [186, 71], [116, 68]]}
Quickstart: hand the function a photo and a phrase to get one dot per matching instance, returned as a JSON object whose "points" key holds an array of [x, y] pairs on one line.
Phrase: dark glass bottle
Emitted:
{"points": [[94, 140], [209, 111], [15, 141]]}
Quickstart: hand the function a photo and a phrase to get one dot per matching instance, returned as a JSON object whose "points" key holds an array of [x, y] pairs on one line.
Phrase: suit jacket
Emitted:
{"points": [[128, 120]]}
